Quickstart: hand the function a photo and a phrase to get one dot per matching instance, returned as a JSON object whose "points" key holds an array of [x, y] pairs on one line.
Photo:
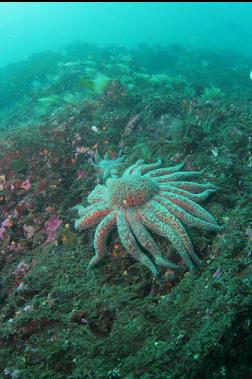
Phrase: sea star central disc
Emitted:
{"points": [[131, 192]]}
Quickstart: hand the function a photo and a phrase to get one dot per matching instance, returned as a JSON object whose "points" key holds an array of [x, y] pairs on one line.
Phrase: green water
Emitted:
{"points": [[28, 28]]}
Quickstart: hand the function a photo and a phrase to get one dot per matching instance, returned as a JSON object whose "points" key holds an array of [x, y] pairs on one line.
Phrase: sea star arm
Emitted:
{"points": [[178, 176], [100, 238], [144, 168], [196, 197], [121, 158], [186, 217], [97, 194], [166, 225], [132, 169], [93, 215], [129, 242], [141, 167], [164, 171], [146, 240], [189, 206], [95, 161], [80, 209], [178, 227], [189, 186]]}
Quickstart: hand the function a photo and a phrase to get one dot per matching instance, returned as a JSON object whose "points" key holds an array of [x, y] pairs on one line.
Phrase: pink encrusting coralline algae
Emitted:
{"points": [[51, 228], [5, 224]]}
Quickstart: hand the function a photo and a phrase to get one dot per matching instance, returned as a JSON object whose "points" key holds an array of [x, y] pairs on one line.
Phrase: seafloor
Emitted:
{"points": [[56, 111]]}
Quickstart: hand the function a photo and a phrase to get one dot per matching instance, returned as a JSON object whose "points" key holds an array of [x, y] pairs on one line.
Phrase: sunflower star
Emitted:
{"points": [[148, 198], [107, 167]]}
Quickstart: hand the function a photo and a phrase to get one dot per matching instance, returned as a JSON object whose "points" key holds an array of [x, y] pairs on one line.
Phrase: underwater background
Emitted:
{"points": [[28, 28], [125, 190]]}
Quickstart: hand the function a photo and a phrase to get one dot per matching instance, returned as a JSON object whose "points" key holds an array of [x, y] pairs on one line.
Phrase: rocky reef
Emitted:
{"points": [[57, 111]]}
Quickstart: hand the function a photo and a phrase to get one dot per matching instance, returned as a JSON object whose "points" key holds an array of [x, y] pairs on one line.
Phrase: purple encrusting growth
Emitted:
{"points": [[51, 228], [5, 224]]}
